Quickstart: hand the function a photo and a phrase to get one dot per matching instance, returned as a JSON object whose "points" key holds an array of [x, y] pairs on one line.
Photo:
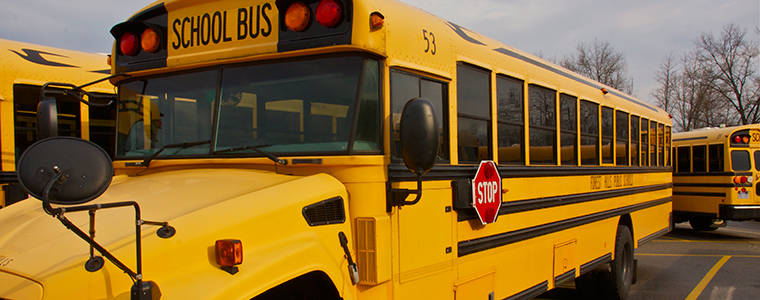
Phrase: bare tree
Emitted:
{"points": [[730, 62], [601, 62], [667, 76], [685, 93]]}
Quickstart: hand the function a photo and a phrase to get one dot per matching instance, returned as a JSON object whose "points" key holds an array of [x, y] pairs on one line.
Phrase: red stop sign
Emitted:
{"points": [[486, 192]]}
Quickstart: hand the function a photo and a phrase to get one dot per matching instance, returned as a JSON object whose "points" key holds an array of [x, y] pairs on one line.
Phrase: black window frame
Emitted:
{"points": [[589, 131], [505, 122], [635, 140], [608, 134], [622, 132], [699, 158], [716, 158], [568, 129], [546, 123], [443, 151]]}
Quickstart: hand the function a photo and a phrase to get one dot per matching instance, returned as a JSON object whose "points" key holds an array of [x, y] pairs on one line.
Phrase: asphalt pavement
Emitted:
{"points": [[695, 265]]}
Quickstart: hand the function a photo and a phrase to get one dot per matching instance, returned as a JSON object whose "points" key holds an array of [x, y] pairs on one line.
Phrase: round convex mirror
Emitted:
{"points": [[85, 168]]}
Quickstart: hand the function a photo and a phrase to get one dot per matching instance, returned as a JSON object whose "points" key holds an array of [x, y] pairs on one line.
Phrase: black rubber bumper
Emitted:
{"points": [[739, 212]]}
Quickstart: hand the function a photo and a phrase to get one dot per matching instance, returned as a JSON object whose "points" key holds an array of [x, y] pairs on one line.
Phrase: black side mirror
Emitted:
{"points": [[419, 135], [65, 170], [47, 118], [420, 138]]}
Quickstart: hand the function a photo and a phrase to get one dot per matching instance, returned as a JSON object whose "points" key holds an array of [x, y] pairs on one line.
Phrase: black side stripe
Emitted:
{"points": [[699, 194], [397, 171], [691, 139], [653, 236], [707, 174], [569, 275], [530, 293], [714, 185], [485, 243], [541, 203], [585, 268]]}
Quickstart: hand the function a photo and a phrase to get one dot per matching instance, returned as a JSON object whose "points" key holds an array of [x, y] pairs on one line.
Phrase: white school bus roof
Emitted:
{"points": [[713, 135], [24, 63], [208, 33]]}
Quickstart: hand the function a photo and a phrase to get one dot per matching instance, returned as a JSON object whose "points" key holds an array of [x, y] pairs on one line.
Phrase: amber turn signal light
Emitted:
{"points": [[229, 253], [150, 41], [297, 17]]}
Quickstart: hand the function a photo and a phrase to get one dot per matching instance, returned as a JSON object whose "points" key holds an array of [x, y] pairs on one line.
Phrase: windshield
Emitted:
{"points": [[328, 105]]}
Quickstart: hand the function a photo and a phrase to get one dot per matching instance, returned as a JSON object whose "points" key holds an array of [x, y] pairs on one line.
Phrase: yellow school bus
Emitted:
{"points": [[341, 149], [25, 69], [714, 176]]}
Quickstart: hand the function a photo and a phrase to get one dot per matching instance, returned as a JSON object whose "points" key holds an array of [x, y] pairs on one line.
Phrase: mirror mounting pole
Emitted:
{"points": [[58, 213], [397, 197]]}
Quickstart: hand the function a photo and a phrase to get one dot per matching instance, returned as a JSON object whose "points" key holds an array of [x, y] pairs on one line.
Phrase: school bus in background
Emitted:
{"points": [[26, 68], [715, 176], [273, 137]]}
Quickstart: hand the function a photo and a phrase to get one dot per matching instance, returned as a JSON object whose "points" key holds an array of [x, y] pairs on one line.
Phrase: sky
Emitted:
{"points": [[644, 30]]}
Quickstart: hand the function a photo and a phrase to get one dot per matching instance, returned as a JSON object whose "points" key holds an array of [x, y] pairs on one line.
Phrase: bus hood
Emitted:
{"points": [[36, 246]]}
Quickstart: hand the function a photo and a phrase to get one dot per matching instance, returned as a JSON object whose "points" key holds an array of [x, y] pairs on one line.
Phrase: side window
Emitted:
{"points": [[608, 131], [683, 164], [634, 141], [511, 126], [589, 133], [661, 145], [644, 142], [653, 143], [474, 113], [25, 100], [699, 161], [568, 124], [407, 86], [740, 160], [103, 127], [621, 138], [543, 129], [668, 148], [716, 158]]}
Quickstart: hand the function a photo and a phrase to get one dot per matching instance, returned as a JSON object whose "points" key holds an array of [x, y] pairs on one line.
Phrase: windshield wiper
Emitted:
{"points": [[146, 162], [271, 156]]}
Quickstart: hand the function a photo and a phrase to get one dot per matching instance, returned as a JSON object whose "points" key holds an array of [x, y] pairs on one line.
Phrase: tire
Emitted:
{"points": [[622, 268], [613, 281], [702, 224]]}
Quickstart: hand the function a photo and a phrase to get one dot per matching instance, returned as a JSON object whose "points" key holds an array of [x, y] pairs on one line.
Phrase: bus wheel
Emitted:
{"points": [[615, 280], [702, 224]]}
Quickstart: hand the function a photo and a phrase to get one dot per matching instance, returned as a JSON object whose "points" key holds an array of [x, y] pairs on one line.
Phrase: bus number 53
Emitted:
{"points": [[430, 39]]}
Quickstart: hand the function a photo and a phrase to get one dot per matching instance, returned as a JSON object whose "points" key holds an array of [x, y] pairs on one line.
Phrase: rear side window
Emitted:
{"points": [[683, 164], [699, 154], [740, 160]]}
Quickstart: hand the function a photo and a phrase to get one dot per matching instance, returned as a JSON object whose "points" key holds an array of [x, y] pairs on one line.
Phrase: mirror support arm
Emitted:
{"points": [[58, 213], [397, 197]]}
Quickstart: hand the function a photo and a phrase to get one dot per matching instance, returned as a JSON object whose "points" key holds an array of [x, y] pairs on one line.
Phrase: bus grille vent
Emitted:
{"points": [[325, 212], [367, 251]]}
